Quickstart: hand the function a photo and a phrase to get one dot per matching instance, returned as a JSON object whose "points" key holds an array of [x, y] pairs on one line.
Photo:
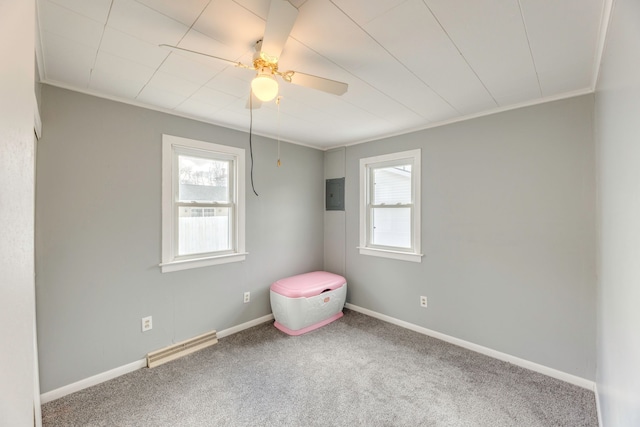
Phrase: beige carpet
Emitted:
{"points": [[357, 371]]}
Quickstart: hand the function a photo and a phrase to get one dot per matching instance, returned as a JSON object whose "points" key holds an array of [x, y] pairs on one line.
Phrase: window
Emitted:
{"points": [[202, 204], [390, 206]]}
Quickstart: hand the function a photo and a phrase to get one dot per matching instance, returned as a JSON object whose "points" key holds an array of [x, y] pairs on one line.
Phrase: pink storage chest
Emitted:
{"points": [[307, 301]]}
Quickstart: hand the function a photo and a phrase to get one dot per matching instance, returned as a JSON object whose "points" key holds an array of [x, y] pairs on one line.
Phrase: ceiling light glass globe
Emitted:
{"points": [[264, 87]]}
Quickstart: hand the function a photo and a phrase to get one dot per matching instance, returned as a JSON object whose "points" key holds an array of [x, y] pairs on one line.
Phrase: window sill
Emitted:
{"points": [[167, 267], [403, 256]]}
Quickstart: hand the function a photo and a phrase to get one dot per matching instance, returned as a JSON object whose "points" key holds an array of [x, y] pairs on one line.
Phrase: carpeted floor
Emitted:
{"points": [[357, 371]]}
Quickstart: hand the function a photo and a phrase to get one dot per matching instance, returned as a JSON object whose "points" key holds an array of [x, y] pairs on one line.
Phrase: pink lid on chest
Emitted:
{"points": [[308, 284]]}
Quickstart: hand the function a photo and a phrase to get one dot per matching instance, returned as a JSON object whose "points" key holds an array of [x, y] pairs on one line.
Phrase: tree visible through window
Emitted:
{"points": [[204, 186], [203, 204]]}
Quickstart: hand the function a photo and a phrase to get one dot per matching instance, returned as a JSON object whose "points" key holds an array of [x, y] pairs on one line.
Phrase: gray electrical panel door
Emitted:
{"points": [[334, 194]]}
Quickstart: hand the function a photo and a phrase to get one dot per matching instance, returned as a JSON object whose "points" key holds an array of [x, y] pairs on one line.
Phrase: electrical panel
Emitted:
{"points": [[334, 194]]}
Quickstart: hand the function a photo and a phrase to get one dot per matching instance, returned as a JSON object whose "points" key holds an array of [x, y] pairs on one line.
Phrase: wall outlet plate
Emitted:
{"points": [[147, 323], [423, 301], [247, 297]]}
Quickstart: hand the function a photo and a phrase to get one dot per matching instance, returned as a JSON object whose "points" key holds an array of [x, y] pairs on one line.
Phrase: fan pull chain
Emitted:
{"points": [[278, 104]]}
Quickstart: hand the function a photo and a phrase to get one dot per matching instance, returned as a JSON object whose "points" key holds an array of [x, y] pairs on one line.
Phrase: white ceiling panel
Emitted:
{"points": [[67, 61], [354, 50], [198, 42], [562, 41], [69, 24], [183, 11], [363, 11], [177, 85], [215, 99], [97, 10], [112, 86], [409, 64], [120, 67], [133, 49], [162, 98], [491, 36], [110, 69], [384, 107], [232, 81], [413, 36], [392, 79], [300, 110], [187, 69], [142, 22], [343, 42], [231, 24], [257, 7]]}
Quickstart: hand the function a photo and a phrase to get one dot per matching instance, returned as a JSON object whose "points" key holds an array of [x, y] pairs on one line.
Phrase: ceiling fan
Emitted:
{"points": [[264, 86]]}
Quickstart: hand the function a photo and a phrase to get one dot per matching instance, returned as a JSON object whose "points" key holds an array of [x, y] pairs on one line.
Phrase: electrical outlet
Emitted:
{"points": [[147, 324], [423, 301], [247, 297]]}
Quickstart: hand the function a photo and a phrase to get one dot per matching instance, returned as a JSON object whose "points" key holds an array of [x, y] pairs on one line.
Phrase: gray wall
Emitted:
{"points": [[334, 221], [18, 391], [508, 233], [98, 236], [618, 153]]}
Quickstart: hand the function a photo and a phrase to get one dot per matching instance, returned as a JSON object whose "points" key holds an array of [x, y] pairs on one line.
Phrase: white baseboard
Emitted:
{"points": [[550, 372], [91, 381], [250, 324], [595, 390], [134, 366]]}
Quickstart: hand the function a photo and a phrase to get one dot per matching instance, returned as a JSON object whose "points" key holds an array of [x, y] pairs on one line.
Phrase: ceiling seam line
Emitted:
{"points": [[182, 38], [221, 71], [397, 60], [95, 58], [167, 57], [169, 54], [356, 77], [460, 52], [364, 82], [209, 80], [170, 17], [533, 61]]}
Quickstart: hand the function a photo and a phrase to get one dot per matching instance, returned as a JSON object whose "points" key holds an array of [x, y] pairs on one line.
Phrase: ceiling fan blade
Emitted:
{"points": [[282, 15], [189, 52], [319, 83]]}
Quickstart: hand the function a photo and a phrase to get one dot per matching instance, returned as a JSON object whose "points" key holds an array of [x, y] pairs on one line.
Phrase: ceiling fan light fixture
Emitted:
{"points": [[264, 85]]}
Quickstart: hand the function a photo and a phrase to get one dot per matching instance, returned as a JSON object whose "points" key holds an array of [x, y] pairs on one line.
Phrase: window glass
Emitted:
{"points": [[203, 230], [391, 227], [392, 185], [390, 206], [203, 207], [203, 180]]}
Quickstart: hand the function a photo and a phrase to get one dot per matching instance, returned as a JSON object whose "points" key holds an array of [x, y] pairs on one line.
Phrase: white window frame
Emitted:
{"points": [[412, 254], [171, 147]]}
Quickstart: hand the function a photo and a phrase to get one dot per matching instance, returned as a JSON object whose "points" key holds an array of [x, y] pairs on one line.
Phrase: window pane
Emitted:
{"points": [[203, 230], [391, 227], [203, 180], [392, 185]]}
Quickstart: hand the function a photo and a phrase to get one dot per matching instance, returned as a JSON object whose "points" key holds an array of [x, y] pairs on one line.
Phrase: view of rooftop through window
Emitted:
{"points": [[203, 180]]}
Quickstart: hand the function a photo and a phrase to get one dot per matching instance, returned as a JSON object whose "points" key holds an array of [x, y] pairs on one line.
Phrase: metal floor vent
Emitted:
{"points": [[180, 349]]}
